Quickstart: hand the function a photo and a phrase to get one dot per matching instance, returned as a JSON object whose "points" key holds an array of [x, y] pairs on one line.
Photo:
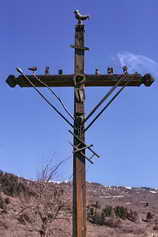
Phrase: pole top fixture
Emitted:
{"points": [[80, 17]]}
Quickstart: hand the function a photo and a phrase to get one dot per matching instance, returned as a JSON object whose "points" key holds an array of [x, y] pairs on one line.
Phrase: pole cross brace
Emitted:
{"points": [[80, 150], [83, 148], [89, 148], [89, 159]]}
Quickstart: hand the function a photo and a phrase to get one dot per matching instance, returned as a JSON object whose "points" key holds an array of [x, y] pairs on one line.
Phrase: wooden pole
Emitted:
{"points": [[79, 179]]}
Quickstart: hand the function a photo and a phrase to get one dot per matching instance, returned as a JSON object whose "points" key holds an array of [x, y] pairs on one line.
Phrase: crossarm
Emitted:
{"points": [[91, 80]]}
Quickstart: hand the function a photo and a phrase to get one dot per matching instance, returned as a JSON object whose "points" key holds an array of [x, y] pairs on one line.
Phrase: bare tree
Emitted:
{"points": [[40, 211]]}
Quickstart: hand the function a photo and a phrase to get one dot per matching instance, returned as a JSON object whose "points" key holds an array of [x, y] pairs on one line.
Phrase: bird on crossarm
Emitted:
{"points": [[33, 69]]}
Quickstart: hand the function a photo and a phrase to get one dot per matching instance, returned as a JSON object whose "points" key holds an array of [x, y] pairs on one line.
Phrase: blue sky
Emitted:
{"points": [[126, 136]]}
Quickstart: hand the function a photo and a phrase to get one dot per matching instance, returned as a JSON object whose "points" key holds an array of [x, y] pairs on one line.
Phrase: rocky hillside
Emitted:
{"points": [[41, 208]]}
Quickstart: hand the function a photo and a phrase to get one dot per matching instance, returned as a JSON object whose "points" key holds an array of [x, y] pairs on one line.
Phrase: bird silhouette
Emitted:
{"points": [[97, 72], [125, 69], [46, 70], [60, 71], [110, 70], [80, 17], [33, 69]]}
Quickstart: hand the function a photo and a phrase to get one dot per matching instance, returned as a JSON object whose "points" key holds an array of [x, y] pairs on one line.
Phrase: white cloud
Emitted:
{"points": [[137, 63]]}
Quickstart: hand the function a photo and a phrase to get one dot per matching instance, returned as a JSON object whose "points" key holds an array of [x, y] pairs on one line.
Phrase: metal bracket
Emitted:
{"points": [[80, 95], [79, 79]]}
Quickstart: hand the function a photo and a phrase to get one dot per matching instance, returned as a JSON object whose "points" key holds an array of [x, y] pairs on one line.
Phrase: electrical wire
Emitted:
{"points": [[103, 99], [106, 106], [58, 98], [83, 143], [43, 97]]}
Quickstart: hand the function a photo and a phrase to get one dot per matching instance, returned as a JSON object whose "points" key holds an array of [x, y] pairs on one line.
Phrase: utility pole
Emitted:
{"points": [[79, 80], [79, 180]]}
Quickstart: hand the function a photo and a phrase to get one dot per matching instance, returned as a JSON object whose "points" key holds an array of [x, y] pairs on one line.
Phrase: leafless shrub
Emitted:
{"points": [[112, 222], [155, 227], [132, 216], [47, 205], [149, 216], [3, 205]]}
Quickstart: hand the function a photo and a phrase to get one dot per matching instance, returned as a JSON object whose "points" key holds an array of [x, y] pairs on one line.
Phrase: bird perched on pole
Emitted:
{"points": [[46, 70], [125, 69], [33, 69], [60, 71], [97, 72], [110, 70], [80, 17]]}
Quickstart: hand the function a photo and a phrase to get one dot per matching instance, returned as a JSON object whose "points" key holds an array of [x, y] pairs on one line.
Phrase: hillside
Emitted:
{"points": [[28, 208]]}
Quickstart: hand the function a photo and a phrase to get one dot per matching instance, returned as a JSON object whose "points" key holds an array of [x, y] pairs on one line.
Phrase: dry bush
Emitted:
{"points": [[12, 185], [112, 222], [38, 212], [155, 227], [4, 204]]}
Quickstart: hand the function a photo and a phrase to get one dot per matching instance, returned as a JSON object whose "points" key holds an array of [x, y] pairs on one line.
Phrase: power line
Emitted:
{"points": [[58, 98], [43, 97], [103, 99], [106, 106]]}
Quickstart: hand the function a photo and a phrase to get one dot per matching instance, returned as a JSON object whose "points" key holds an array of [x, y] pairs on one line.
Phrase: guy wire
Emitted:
{"points": [[58, 98]]}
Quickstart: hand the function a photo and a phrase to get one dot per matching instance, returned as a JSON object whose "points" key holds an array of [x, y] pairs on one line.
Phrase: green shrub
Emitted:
{"points": [[107, 211], [121, 212], [110, 215]]}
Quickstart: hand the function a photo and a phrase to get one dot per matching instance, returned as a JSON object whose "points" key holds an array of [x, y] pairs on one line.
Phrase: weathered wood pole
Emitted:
{"points": [[79, 179]]}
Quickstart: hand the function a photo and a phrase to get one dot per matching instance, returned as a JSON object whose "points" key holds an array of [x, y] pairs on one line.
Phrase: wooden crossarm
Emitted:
{"points": [[91, 80]]}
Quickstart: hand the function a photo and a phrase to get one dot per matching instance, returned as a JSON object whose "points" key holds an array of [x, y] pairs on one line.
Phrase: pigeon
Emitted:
{"points": [[110, 70], [46, 70], [125, 69], [80, 17], [60, 71], [97, 72], [33, 69]]}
